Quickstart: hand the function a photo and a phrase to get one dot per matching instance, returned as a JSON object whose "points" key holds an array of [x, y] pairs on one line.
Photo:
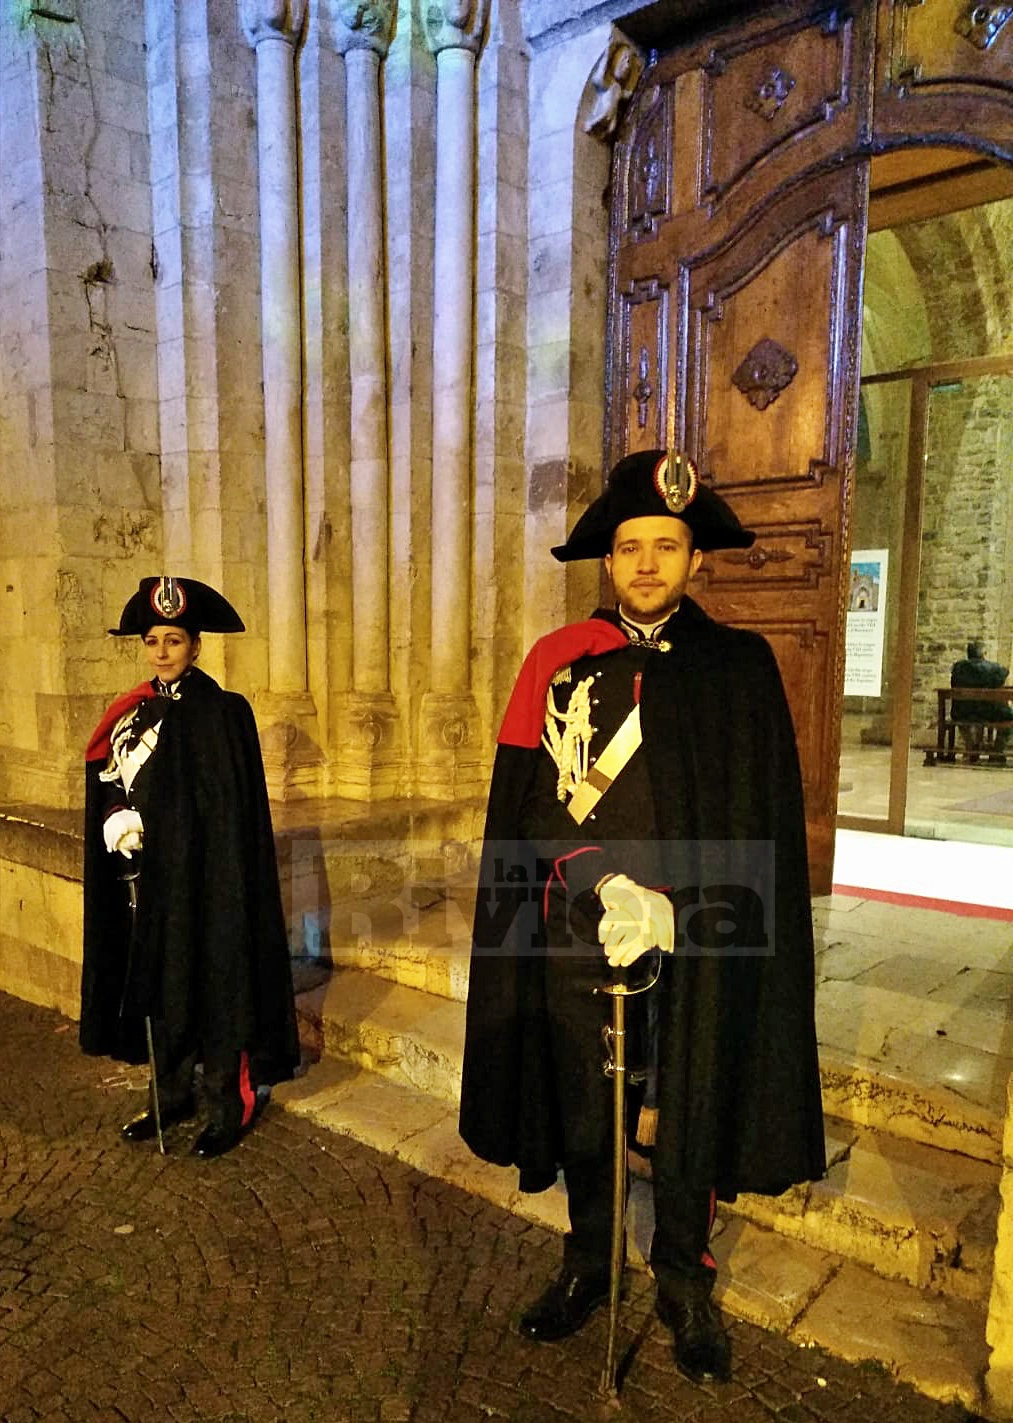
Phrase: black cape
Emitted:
{"points": [[210, 954], [739, 1090]]}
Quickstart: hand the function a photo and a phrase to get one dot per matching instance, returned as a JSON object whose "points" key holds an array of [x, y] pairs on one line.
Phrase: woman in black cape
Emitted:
{"points": [[185, 950]]}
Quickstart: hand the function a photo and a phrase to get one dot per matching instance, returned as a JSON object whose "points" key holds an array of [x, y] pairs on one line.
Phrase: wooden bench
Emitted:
{"points": [[946, 751]]}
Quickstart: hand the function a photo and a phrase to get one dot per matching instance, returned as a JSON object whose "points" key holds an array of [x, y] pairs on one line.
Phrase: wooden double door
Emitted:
{"points": [[738, 223]]}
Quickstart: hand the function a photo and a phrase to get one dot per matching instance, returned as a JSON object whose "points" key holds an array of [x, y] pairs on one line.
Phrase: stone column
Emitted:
{"points": [[449, 746], [362, 35], [409, 154], [367, 719], [500, 368], [273, 28], [322, 169]]}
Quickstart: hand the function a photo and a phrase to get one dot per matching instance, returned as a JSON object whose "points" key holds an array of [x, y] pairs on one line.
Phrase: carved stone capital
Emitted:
{"points": [[455, 24], [612, 81], [272, 20], [362, 24]]}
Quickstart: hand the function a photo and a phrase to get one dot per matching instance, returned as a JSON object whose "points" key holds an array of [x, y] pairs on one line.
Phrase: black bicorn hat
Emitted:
{"points": [[184, 602], [653, 482]]}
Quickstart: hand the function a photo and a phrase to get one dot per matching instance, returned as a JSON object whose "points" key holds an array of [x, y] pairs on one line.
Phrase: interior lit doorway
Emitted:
{"points": [[932, 525]]}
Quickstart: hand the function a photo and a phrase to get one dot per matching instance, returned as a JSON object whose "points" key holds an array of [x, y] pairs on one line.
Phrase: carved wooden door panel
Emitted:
{"points": [[738, 229], [945, 71]]}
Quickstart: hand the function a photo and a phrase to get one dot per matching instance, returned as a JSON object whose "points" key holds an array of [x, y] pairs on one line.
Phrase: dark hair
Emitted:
{"points": [[192, 632], [975, 649], [692, 540]]}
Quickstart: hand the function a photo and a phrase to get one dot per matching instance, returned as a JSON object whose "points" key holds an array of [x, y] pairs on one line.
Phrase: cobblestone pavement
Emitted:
{"points": [[306, 1279]]}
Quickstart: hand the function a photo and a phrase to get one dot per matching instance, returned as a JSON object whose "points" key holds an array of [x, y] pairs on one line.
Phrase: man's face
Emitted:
{"points": [[651, 562]]}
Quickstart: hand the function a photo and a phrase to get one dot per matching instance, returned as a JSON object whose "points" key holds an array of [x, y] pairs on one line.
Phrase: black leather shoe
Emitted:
{"points": [[703, 1351], [565, 1306], [143, 1127], [216, 1139]]}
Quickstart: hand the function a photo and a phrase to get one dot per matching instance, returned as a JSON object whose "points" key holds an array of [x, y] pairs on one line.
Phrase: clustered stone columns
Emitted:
{"points": [[449, 730], [273, 28], [367, 725]]}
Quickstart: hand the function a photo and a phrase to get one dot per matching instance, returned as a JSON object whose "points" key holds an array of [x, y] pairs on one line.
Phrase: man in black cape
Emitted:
{"points": [[976, 670], [646, 795], [183, 921]]}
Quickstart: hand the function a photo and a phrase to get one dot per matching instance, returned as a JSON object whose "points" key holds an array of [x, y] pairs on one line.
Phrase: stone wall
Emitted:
{"points": [[79, 469], [966, 550], [968, 506], [135, 431], [41, 909]]}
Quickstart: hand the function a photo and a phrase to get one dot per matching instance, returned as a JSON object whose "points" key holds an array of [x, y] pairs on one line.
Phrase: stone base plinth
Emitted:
{"points": [[42, 778], [450, 747], [41, 853], [294, 763], [367, 731], [53, 774]]}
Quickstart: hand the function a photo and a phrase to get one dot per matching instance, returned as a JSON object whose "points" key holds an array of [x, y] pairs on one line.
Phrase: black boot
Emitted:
{"points": [[144, 1128], [225, 1128], [703, 1351], [231, 1104], [216, 1139], [565, 1306]]}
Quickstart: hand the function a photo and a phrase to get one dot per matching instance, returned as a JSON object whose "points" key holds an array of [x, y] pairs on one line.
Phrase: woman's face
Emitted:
{"points": [[170, 651]]}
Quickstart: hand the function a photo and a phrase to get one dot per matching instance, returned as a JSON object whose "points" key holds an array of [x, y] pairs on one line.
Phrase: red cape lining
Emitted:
{"points": [[524, 719], [98, 745]]}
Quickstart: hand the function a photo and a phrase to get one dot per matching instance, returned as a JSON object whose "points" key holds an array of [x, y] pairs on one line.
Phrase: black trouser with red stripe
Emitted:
{"points": [[684, 1217], [229, 1094]]}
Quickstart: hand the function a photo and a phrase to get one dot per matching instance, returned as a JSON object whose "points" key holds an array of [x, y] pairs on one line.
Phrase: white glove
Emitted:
{"points": [[636, 920], [123, 831]]}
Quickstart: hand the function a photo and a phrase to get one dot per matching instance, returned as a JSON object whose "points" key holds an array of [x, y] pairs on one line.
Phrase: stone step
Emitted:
{"points": [[424, 942], [909, 1211], [817, 1297], [912, 1014], [411, 1037], [358, 874]]}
